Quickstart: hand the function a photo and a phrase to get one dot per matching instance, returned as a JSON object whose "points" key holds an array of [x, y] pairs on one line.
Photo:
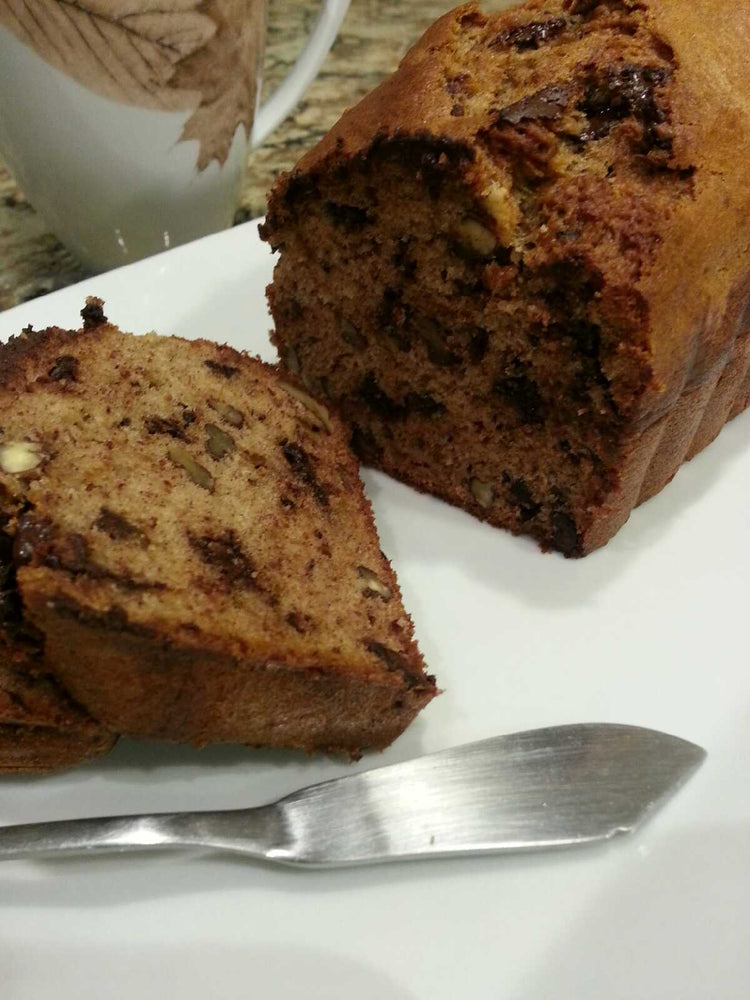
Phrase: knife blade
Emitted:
{"points": [[557, 787]]}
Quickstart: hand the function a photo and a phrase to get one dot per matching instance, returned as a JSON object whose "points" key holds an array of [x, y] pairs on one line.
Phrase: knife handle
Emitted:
{"points": [[245, 831]]}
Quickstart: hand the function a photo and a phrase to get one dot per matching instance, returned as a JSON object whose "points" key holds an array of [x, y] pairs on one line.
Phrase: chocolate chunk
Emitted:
{"points": [[6, 559], [92, 313], [224, 553], [376, 399], [431, 159], [478, 345], [65, 368], [531, 35], [165, 425], [587, 338], [581, 6], [113, 620], [523, 395], [565, 534], [189, 417], [566, 285], [299, 188], [545, 105], [349, 217], [38, 543], [301, 465], [226, 371], [33, 540], [394, 661], [522, 498], [364, 445], [11, 609], [614, 94], [300, 622], [423, 404], [117, 527]]}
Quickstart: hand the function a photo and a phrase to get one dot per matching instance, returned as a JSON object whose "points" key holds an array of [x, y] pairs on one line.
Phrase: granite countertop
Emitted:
{"points": [[374, 37]]}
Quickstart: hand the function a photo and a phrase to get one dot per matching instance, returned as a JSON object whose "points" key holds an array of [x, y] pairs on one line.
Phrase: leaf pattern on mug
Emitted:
{"points": [[171, 55], [225, 72]]}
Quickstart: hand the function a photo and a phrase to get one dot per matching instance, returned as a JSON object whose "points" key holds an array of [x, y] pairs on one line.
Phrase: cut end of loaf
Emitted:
{"points": [[462, 262]]}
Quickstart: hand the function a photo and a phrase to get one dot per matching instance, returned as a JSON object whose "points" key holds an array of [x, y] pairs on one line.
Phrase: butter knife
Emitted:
{"points": [[564, 786]]}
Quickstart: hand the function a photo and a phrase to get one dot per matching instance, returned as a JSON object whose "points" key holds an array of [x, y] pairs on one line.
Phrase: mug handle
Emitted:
{"points": [[302, 74]]}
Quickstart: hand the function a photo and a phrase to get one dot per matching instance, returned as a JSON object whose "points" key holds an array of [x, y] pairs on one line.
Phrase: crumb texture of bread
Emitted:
{"points": [[189, 553], [519, 268]]}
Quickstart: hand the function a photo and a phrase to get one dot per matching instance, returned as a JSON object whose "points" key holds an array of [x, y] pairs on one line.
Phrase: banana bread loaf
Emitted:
{"points": [[519, 268], [192, 551]]}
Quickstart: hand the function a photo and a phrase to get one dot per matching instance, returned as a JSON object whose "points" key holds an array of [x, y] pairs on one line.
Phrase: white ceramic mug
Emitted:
{"points": [[127, 122]]}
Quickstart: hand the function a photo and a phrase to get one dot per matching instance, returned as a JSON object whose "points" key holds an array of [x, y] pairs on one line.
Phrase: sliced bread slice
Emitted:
{"points": [[192, 539]]}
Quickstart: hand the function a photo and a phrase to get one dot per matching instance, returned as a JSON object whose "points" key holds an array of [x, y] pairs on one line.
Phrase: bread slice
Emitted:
{"points": [[41, 729], [192, 540], [519, 267]]}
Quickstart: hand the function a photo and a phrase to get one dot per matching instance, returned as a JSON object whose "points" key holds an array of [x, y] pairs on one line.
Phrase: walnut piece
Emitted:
{"points": [[476, 238], [199, 475], [219, 443], [309, 403], [20, 456], [291, 360], [373, 586], [483, 493], [227, 412]]}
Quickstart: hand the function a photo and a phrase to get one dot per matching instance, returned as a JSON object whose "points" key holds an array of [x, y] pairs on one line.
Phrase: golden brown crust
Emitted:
{"points": [[148, 686], [30, 750], [602, 138], [709, 235], [41, 728]]}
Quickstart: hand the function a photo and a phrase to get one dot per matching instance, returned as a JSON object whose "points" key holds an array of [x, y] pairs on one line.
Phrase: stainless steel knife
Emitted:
{"points": [[565, 786]]}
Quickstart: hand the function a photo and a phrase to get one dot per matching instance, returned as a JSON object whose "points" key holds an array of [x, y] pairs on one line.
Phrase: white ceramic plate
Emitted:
{"points": [[651, 631]]}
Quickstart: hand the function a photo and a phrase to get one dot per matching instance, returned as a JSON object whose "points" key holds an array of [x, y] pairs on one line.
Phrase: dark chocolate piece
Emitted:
{"points": [[65, 368], [226, 371], [545, 105], [225, 554], [531, 35], [301, 465]]}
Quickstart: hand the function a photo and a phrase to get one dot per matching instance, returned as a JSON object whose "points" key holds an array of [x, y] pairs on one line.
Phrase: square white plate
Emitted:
{"points": [[649, 631]]}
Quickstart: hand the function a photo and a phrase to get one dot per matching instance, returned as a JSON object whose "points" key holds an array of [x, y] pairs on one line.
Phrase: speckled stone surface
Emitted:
{"points": [[374, 37]]}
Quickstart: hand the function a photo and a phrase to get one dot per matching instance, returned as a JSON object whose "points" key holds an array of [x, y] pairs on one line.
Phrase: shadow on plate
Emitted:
{"points": [[200, 968], [113, 880], [672, 925]]}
